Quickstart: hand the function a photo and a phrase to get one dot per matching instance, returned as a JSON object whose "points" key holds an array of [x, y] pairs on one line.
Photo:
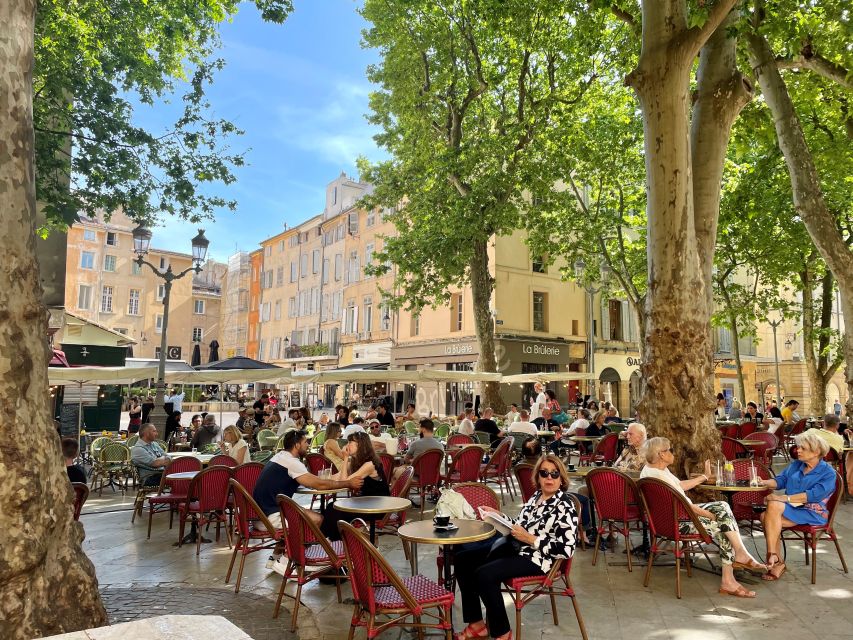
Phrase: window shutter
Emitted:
{"points": [[626, 321], [605, 319], [355, 319]]}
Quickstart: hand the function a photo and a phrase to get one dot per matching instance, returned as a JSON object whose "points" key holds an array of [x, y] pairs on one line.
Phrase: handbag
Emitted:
{"points": [[504, 547], [560, 418]]}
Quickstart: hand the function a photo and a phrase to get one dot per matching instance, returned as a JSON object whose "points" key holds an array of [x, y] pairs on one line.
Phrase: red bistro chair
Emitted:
{"points": [[742, 501], [525, 480], [205, 502], [459, 440], [81, 492], [525, 589], [317, 462], [222, 460], [247, 514], [667, 510], [747, 429], [307, 549], [380, 593], [390, 522], [732, 431], [733, 450], [497, 468], [763, 452], [247, 475], [617, 502], [178, 489], [811, 534], [388, 462], [788, 438], [427, 467], [464, 465], [604, 451]]}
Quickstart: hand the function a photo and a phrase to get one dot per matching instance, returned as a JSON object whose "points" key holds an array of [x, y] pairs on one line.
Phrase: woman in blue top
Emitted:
{"points": [[808, 483]]}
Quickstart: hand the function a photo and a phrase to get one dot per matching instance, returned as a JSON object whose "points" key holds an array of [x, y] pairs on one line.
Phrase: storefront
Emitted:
{"points": [[522, 355], [619, 381]]}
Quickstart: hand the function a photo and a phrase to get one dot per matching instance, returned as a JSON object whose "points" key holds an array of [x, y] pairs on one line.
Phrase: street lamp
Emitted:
{"points": [[141, 244], [775, 324], [591, 288]]}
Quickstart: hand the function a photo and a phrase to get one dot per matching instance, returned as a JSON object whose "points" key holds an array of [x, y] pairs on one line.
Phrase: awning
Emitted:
{"points": [[374, 366], [171, 365], [545, 378]]}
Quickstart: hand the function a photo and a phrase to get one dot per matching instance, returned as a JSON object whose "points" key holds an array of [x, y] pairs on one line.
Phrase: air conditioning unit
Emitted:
{"points": [[796, 357]]}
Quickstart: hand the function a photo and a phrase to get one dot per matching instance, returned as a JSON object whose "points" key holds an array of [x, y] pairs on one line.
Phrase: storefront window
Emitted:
{"points": [[458, 393]]}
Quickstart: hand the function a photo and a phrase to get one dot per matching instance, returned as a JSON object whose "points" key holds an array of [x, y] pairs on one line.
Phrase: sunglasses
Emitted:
{"points": [[544, 474]]}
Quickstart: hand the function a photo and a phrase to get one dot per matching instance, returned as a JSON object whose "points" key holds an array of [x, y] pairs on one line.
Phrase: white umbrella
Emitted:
{"points": [[544, 378]]}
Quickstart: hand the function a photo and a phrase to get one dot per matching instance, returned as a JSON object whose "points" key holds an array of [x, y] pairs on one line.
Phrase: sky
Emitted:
{"points": [[300, 94]]}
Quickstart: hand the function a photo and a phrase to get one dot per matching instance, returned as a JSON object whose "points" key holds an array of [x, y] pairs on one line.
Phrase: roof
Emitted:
{"points": [[122, 340], [171, 365]]}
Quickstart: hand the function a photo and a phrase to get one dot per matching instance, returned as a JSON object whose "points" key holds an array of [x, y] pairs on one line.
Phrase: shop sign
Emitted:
{"points": [[458, 349], [540, 349], [634, 362]]}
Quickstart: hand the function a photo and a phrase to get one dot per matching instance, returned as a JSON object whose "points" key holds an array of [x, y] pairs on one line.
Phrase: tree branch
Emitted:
{"points": [[696, 37], [819, 65]]}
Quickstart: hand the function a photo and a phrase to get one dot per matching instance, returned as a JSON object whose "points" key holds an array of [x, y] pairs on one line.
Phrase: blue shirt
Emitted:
{"points": [[818, 484]]}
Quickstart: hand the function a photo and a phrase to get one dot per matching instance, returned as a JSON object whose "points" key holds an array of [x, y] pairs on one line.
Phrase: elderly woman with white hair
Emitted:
{"points": [[716, 517], [807, 484]]}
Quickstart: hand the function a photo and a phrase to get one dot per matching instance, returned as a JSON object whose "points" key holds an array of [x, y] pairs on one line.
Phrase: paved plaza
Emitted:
{"points": [[143, 578]]}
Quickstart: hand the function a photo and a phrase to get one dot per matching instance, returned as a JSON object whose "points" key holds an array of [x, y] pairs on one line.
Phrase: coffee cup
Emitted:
{"points": [[441, 521], [571, 467], [599, 463]]}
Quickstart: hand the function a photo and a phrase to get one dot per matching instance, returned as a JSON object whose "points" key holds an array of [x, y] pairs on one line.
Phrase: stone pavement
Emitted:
{"points": [[143, 578]]}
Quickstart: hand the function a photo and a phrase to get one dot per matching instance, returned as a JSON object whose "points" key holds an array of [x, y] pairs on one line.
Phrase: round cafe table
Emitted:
{"points": [[182, 475], [319, 492], [204, 458], [750, 443], [729, 491], [423, 532], [371, 507]]}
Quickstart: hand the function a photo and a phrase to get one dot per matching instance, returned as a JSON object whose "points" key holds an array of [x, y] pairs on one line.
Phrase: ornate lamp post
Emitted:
{"points": [[775, 324], [591, 287], [141, 244]]}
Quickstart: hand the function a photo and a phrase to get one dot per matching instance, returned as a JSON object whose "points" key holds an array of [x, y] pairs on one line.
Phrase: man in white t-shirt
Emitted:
{"points": [[582, 422], [523, 425], [352, 428], [467, 425], [539, 402], [176, 399]]}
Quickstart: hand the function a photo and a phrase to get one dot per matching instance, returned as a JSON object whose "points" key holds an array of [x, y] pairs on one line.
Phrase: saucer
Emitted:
{"points": [[447, 527]]}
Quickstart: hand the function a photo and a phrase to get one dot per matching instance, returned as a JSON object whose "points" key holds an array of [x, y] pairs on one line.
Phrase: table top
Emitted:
{"points": [[749, 442], [204, 457], [317, 492], [372, 504], [545, 434], [580, 472], [455, 448], [586, 438], [716, 487], [422, 531], [183, 475]]}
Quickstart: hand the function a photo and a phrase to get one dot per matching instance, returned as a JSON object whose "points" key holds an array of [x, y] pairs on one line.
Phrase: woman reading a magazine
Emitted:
{"points": [[543, 533]]}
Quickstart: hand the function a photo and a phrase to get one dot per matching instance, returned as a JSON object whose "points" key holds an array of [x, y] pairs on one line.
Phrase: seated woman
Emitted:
{"points": [[232, 444], [331, 449], [716, 517], [360, 461], [596, 427], [808, 482], [544, 533]]}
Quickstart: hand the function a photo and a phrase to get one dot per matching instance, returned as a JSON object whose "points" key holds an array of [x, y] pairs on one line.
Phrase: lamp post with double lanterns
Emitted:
{"points": [[141, 244], [591, 288], [775, 324]]}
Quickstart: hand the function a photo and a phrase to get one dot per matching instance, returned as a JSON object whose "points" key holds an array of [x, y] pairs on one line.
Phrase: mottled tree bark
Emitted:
{"points": [[47, 584], [805, 182], [482, 286], [819, 366]]}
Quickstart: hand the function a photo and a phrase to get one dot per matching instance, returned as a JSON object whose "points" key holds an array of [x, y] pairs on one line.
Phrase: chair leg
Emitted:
{"points": [[240, 572], [627, 534], [231, 564], [517, 619], [181, 526], [677, 575], [296, 602], [813, 540], [578, 615], [554, 608], [281, 589], [356, 614], [840, 555], [649, 568], [198, 536], [150, 518], [596, 543]]}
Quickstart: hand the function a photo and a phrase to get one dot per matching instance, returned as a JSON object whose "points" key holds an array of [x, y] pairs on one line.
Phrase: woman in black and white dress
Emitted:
{"points": [[545, 533]]}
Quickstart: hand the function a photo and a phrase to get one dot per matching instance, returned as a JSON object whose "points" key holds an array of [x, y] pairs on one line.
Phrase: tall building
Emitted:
{"points": [[234, 318], [105, 285]]}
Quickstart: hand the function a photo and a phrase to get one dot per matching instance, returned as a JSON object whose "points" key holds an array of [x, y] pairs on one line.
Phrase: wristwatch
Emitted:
{"points": [[788, 499]]}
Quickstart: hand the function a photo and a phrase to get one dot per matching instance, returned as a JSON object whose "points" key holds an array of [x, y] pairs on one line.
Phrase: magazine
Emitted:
{"points": [[498, 520]]}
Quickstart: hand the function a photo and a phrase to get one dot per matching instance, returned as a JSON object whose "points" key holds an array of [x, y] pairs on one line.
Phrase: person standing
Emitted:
{"points": [[177, 400], [147, 407], [538, 402], [836, 408], [207, 433], [135, 412]]}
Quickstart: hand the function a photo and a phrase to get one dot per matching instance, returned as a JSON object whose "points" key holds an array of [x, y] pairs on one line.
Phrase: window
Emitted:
{"points": [[415, 328], [109, 263], [265, 312], [136, 269], [163, 263], [334, 195], [291, 307], [268, 250], [120, 330], [456, 312], [112, 239], [198, 307], [368, 255], [351, 318], [161, 292], [368, 314], [575, 327], [315, 300], [280, 246], [279, 276], [133, 302], [324, 307], [325, 276], [87, 260], [370, 220], [354, 268], [339, 232], [339, 266], [540, 311], [315, 261], [89, 235], [294, 273], [262, 346], [539, 265], [614, 315], [353, 223], [267, 283], [328, 238], [107, 299], [275, 347], [84, 297], [277, 312], [294, 240], [198, 334], [385, 317], [303, 265]]}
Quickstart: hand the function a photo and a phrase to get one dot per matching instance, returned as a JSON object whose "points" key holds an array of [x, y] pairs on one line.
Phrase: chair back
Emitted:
{"points": [[266, 439], [442, 431], [580, 431], [459, 440], [132, 440], [97, 445], [222, 460], [210, 489], [483, 437], [247, 510], [605, 449], [162, 444], [500, 458], [832, 457], [387, 461], [798, 428], [612, 492], [114, 453], [179, 465], [81, 492], [478, 495], [732, 449], [400, 488], [369, 570], [279, 444], [428, 466], [667, 509], [518, 440], [300, 531], [732, 431], [411, 427], [247, 475], [832, 503], [526, 482], [262, 456], [317, 462], [747, 429], [318, 439], [742, 501], [466, 463], [764, 451]]}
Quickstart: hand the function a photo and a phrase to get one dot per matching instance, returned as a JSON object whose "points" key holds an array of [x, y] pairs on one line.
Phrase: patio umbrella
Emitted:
{"points": [[196, 359], [214, 351], [240, 362]]}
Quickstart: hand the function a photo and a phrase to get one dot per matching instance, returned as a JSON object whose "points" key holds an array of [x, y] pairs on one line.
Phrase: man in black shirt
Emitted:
{"points": [[259, 407], [544, 422], [147, 406], [70, 449], [488, 425], [384, 416]]}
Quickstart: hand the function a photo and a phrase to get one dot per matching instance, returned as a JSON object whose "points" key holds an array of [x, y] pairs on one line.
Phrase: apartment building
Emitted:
{"points": [[256, 269], [106, 286]]}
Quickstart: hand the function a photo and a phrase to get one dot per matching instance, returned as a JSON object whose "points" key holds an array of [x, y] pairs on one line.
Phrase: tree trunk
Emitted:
{"points": [[482, 286], [805, 182], [819, 367], [677, 357], [721, 284], [47, 584]]}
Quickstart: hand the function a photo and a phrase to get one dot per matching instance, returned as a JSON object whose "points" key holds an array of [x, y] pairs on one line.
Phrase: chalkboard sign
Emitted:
{"points": [[68, 416], [295, 399]]}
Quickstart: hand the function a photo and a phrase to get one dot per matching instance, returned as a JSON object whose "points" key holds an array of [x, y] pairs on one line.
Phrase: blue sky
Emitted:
{"points": [[299, 92]]}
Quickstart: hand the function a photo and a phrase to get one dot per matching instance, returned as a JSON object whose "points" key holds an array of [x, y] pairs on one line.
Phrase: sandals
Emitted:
{"points": [[470, 632], [751, 565], [740, 592], [770, 576]]}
